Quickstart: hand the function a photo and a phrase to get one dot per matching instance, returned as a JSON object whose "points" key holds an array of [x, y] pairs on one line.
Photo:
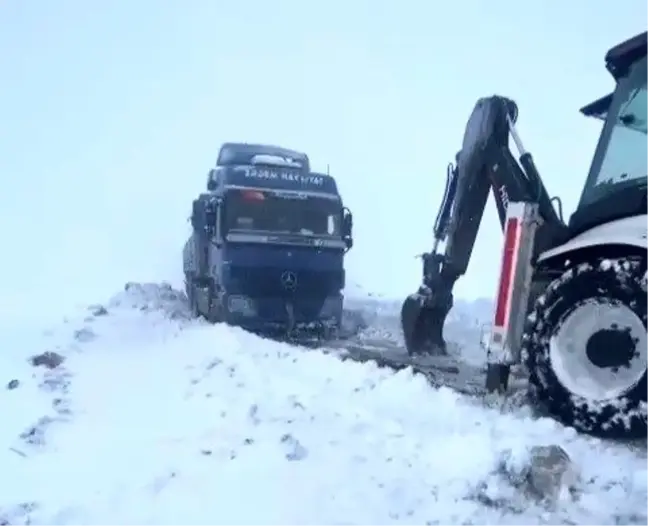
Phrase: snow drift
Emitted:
{"points": [[149, 417]]}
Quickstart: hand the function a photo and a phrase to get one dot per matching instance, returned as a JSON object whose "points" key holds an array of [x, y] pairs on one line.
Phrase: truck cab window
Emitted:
{"points": [[333, 225]]}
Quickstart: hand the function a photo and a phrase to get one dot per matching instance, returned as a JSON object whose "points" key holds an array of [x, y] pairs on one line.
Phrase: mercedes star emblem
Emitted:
{"points": [[289, 280]]}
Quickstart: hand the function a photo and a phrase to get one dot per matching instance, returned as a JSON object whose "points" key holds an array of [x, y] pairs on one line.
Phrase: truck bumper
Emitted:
{"points": [[282, 314]]}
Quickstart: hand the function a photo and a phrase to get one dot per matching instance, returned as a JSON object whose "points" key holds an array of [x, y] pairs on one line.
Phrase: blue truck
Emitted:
{"points": [[268, 242]]}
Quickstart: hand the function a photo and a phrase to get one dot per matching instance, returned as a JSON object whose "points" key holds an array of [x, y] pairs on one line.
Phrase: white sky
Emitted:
{"points": [[112, 112]]}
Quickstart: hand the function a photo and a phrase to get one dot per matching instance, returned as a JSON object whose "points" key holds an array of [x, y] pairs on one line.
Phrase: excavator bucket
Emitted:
{"points": [[422, 325], [423, 314]]}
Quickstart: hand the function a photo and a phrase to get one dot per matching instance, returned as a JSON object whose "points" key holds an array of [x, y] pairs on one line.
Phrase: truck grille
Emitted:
{"points": [[285, 283]]}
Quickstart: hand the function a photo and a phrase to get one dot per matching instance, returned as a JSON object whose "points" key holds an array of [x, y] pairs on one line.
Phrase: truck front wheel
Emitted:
{"points": [[585, 348], [190, 290]]}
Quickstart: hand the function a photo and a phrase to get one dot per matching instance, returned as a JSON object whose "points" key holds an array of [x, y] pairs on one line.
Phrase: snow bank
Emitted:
{"points": [[175, 421]]}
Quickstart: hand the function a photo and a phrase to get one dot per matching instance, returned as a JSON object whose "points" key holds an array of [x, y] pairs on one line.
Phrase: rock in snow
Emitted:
{"points": [[551, 474]]}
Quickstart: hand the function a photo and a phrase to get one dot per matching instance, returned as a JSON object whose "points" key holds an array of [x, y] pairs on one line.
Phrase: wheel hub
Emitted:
{"points": [[620, 341], [599, 351]]}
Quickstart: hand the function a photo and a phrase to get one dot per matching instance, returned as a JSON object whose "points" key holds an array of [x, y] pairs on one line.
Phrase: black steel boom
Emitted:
{"points": [[484, 163]]}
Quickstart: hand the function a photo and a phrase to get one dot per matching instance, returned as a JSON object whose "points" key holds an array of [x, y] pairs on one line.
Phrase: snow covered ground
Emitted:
{"points": [[153, 418]]}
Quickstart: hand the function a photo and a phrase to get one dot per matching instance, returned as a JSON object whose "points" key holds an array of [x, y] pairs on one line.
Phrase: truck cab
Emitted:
{"points": [[268, 243]]}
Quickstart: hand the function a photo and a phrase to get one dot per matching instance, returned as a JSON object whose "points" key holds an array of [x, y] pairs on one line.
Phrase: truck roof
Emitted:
{"points": [[231, 153]]}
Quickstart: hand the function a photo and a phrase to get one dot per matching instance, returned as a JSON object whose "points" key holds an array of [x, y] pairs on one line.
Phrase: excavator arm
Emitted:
{"points": [[484, 163]]}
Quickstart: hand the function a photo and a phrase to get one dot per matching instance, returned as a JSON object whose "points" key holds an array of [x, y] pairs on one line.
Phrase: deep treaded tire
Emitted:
{"points": [[576, 378]]}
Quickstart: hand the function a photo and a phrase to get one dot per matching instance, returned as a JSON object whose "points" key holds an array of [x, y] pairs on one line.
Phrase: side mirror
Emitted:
{"points": [[219, 221], [211, 180], [347, 222], [203, 216], [197, 215], [347, 227]]}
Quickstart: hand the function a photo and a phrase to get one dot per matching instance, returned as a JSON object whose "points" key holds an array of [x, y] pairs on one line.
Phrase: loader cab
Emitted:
{"points": [[615, 187]]}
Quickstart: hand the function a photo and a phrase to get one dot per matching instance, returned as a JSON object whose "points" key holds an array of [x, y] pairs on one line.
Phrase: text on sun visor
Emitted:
{"points": [[284, 175]]}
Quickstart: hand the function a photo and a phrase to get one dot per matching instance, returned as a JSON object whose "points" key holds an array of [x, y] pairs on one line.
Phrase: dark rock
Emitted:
{"points": [[48, 359]]}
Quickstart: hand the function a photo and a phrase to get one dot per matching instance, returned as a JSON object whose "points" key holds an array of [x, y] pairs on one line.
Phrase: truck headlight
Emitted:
{"points": [[241, 305]]}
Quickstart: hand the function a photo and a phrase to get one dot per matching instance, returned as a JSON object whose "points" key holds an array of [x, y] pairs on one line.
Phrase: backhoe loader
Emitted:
{"points": [[570, 304]]}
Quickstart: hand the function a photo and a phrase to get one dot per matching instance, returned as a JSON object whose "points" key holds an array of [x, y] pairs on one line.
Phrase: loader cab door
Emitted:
{"points": [[616, 185]]}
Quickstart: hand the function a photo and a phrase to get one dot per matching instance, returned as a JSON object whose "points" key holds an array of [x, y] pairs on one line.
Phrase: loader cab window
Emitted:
{"points": [[621, 158], [255, 210]]}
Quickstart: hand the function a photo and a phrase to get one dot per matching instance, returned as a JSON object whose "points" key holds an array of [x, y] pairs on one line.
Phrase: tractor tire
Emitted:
{"points": [[584, 346]]}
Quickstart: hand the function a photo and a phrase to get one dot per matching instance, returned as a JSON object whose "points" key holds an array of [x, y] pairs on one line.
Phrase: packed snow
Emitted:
{"points": [[275, 160], [141, 415]]}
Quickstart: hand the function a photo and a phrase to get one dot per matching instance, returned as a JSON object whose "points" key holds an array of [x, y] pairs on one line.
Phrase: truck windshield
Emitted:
{"points": [[622, 158], [255, 210]]}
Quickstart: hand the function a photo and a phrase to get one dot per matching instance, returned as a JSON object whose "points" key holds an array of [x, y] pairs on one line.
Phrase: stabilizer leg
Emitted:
{"points": [[513, 292], [497, 377]]}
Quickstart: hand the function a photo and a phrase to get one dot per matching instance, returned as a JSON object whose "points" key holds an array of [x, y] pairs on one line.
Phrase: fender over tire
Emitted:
{"points": [[616, 285]]}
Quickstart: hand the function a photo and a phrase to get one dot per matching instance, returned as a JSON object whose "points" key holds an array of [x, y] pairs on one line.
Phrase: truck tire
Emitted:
{"points": [[584, 346], [215, 311], [216, 307], [191, 296]]}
